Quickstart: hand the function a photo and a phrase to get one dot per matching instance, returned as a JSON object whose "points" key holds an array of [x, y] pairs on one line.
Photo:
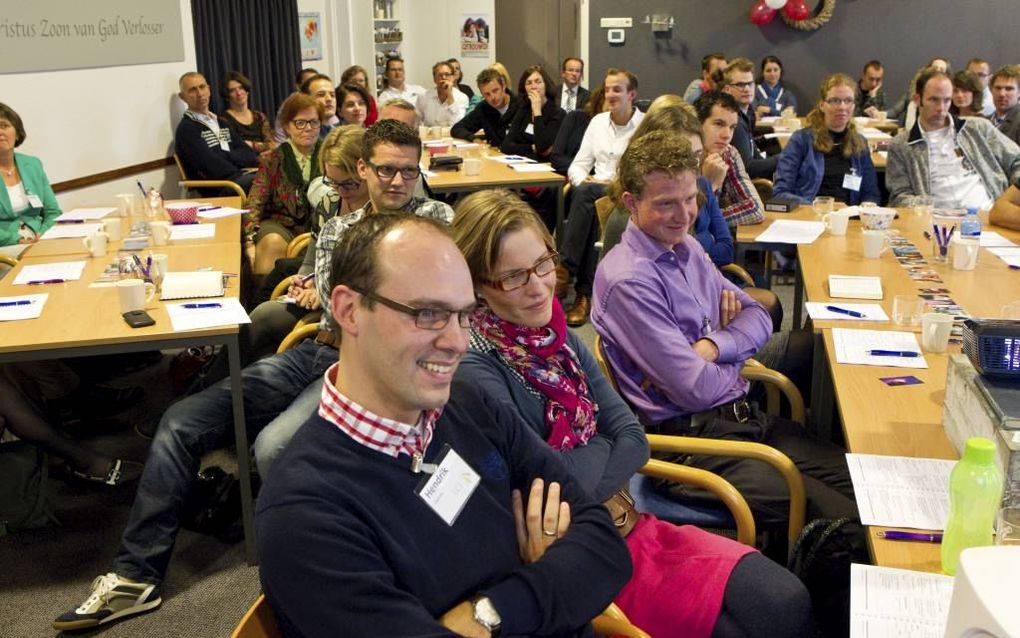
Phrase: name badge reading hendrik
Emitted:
{"points": [[448, 489]]}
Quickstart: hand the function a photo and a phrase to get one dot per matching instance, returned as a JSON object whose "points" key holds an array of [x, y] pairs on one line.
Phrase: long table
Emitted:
{"points": [[79, 320]]}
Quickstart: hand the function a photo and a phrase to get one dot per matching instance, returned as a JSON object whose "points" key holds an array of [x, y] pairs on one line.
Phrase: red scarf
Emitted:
{"points": [[543, 358]]}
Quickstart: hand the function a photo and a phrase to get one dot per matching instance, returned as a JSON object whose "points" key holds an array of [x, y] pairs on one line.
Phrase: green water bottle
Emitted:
{"points": [[975, 488]]}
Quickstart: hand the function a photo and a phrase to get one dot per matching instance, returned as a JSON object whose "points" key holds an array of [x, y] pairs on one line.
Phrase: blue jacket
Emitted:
{"points": [[801, 167], [39, 219], [710, 227]]}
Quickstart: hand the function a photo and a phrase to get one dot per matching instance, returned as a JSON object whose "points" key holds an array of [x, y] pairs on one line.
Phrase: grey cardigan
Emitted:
{"points": [[995, 157]]}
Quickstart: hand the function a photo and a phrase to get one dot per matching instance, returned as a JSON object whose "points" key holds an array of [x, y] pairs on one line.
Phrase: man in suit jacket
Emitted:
{"points": [[1006, 97], [573, 96]]}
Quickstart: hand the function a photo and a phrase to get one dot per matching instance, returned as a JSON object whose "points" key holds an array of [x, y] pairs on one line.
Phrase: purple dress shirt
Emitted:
{"points": [[650, 305]]}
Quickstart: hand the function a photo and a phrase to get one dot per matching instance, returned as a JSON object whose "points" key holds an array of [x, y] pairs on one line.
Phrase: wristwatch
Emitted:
{"points": [[486, 614]]}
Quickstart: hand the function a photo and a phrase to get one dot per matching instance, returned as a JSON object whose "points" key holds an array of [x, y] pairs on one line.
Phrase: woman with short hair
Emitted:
{"points": [[771, 97], [28, 207], [534, 127], [248, 124], [968, 95], [352, 104]]}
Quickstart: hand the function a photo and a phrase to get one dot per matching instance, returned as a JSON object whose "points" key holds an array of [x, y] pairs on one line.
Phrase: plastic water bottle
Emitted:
{"points": [[970, 227], [975, 489]]}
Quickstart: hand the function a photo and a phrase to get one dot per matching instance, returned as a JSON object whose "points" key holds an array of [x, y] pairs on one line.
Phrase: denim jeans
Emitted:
{"points": [[194, 426]]}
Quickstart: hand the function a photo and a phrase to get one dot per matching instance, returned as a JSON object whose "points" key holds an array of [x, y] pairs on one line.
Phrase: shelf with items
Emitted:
{"points": [[384, 10]]}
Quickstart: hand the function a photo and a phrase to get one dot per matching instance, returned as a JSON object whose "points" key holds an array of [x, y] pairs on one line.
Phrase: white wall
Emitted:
{"points": [[432, 33], [86, 121], [324, 8]]}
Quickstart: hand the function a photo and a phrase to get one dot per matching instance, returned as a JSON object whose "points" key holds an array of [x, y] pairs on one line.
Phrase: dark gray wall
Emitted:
{"points": [[535, 32], [903, 34]]}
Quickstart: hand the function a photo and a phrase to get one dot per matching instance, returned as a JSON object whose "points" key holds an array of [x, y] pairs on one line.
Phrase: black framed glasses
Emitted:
{"points": [[389, 172], [346, 185], [424, 318], [520, 278], [303, 124], [743, 85]]}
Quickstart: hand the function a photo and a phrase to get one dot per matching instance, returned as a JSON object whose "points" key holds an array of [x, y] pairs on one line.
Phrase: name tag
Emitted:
{"points": [[34, 201], [530, 129], [852, 182], [448, 489]]}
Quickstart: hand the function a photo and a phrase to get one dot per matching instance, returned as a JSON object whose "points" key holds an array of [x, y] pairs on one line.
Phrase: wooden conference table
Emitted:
{"points": [[79, 320]]}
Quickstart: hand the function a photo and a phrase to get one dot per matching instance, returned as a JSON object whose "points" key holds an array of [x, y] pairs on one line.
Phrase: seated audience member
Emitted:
{"points": [[575, 123], [829, 157], [968, 95], [249, 125], [203, 142], [1006, 97], [352, 104], [771, 98], [338, 191], [905, 110], [737, 79], [359, 77], [571, 96], [301, 76], [721, 164], [677, 334], [537, 119], [869, 95], [493, 114], [28, 207], [710, 65], [593, 168], [1006, 210], [961, 162], [396, 84], [498, 66], [522, 354], [458, 78], [983, 71], [346, 544], [400, 110], [443, 105], [279, 393], [278, 200], [321, 88]]}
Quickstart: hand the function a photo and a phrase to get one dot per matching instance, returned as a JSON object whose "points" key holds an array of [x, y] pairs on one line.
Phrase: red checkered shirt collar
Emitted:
{"points": [[378, 433]]}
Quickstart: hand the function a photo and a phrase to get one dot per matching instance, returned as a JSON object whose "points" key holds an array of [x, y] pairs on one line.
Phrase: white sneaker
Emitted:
{"points": [[112, 598]]}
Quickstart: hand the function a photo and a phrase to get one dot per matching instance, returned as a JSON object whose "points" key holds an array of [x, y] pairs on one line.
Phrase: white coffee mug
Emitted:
{"points": [[96, 243], [965, 253], [935, 329], [113, 228], [160, 232], [875, 243], [472, 167], [836, 222], [134, 294]]}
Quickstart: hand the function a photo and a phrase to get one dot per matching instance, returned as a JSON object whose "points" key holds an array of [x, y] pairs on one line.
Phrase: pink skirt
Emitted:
{"points": [[680, 575]]}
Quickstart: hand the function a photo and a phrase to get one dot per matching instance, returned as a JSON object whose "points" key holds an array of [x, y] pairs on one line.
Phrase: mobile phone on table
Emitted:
{"points": [[138, 319]]}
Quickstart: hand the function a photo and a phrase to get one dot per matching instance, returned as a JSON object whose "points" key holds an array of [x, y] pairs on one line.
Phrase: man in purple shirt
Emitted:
{"points": [[677, 334]]}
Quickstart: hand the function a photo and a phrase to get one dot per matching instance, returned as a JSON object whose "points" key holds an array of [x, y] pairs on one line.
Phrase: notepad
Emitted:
{"points": [[901, 491], [852, 287], [192, 231], [22, 307], [532, 168], [71, 230], [229, 312], [85, 213], [192, 285], [887, 602], [50, 273], [791, 231]]}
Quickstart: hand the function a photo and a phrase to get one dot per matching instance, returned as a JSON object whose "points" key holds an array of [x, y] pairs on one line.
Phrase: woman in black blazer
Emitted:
{"points": [[534, 127]]}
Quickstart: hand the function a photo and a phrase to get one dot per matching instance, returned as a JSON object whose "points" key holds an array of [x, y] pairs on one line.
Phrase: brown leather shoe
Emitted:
{"points": [[562, 282], [578, 314]]}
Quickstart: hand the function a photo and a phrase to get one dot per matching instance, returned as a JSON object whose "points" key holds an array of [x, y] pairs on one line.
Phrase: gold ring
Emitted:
{"points": [[548, 533]]}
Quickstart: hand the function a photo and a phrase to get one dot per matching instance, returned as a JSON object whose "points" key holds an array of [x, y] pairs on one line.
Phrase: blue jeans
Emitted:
{"points": [[194, 426]]}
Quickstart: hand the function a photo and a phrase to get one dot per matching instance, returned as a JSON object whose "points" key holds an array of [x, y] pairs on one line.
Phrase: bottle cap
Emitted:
{"points": [[979, 451]]}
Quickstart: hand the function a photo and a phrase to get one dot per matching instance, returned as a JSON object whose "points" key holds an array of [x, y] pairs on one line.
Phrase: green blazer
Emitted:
{"points": [[39, 219]]}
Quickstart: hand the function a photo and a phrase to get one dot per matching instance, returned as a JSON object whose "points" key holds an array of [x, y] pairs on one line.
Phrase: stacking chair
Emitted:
{"points": [[10, 261], [647, 499], [186, 183], [298, 244]]}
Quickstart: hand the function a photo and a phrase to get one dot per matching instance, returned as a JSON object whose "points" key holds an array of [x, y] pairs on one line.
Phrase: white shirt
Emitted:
{"points": [[568, 98], [987, 105], [602, 146], [410, 92], [432, 113], [954, 182], [18, 196]]}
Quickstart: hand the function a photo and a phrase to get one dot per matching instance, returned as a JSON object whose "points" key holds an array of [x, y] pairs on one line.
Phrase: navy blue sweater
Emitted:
{"points": [[347, 548]]}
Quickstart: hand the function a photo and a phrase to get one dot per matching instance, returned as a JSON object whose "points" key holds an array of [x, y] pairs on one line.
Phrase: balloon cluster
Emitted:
{"points": [[765, 10]]}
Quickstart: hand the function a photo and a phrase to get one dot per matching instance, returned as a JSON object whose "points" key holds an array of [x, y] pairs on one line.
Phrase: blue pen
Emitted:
{"points": [[45, 281], [893, 353], [20, 302], [852, 313], [202, 209], [195, 306]]}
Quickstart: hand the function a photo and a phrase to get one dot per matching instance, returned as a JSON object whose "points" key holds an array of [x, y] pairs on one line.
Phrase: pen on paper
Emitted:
{"points": [[45, 281], [911, 536], [20, 302], [852, 313], [195, 306], [203, 209], [70, 221], [893, 353]]}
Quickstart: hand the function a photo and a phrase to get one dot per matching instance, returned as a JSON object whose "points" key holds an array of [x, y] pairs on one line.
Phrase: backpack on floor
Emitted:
{"points": [[24, 499]]}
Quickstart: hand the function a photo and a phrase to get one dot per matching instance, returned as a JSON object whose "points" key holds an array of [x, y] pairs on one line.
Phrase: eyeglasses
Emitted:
{"points": [[443, 76], [424, 318], [346, 185], [839, 101], [389, 172], [743, 85], [303, 124], [520, 278]]}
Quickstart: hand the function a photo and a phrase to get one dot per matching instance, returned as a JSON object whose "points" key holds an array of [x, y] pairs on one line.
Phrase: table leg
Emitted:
{"points": [[560, 212], [798, 296], [822, 392], [243, 451]]}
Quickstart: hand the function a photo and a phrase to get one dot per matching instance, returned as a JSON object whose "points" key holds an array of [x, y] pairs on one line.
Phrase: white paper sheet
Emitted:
{"points": [[192, 231], [14, 308], [220, 212], [874, 133], [901, 491], [871, 311], [512, 159], [790, 231], [465, 145], [65, 270], [532, 168], [85, 213], [229, 313], [852, 346], [63, 231], [990, 238], [768, 120], [898, 603]]}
